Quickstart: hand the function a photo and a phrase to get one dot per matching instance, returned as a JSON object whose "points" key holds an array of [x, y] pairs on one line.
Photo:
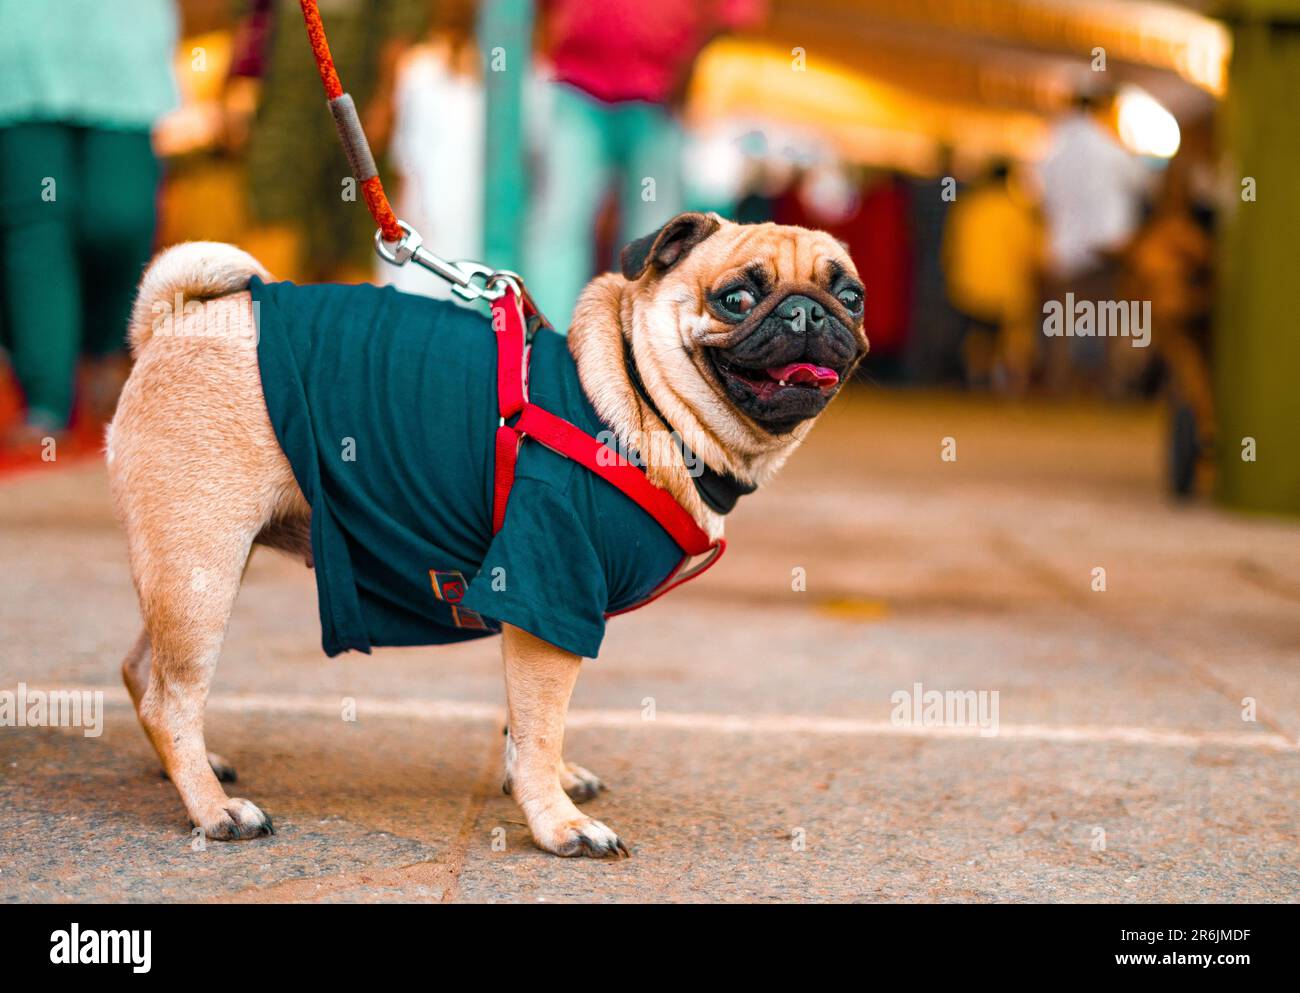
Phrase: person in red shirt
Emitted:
{"points": [[620, 69]]}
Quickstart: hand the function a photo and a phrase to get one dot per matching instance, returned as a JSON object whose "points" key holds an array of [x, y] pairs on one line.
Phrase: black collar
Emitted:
{"points": [[718, 490]]}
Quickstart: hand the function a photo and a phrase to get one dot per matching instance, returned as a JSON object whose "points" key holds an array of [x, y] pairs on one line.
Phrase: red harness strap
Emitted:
{"points": [[557, 434]]}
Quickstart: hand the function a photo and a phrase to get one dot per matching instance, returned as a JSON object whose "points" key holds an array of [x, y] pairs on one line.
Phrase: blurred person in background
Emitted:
{"points": [[438, 145], [1092, 190], [297, 172], [761, 193], [1171, 263], [82, 83], [619, 72], [992, 262], [767, 178], [933, 355], [880, 242]]}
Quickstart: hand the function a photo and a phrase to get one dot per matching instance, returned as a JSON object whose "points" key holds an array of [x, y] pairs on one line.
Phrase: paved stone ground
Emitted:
{"points": [[772, 770]]}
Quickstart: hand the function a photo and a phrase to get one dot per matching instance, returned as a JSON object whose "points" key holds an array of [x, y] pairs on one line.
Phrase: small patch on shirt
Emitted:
{"points": [[449, 587]]}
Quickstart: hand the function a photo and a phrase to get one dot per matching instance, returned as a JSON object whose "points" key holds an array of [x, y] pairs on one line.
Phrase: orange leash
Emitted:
{"points": [[395, 241], [344, 111]]}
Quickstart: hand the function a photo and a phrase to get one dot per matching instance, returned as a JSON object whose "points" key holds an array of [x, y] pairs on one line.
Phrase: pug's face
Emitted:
{"points": [[745, 324]]}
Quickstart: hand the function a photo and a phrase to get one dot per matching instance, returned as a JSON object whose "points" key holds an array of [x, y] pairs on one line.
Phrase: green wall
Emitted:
{"points": [[1257, 333]]}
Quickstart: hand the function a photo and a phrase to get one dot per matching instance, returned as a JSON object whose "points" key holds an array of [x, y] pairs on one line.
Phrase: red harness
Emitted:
{"points": [[510, 323]]}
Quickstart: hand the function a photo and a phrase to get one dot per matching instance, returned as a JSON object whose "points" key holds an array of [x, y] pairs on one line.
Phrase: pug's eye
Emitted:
{"points": [[739, 301], [851, 298]]}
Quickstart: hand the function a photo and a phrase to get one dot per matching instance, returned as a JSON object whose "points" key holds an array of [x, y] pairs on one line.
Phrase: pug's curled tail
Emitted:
{"points": [[192, 271]]}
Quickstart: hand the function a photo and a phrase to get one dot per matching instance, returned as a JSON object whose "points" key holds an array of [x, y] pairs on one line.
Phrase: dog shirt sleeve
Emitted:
{"points": [[541, 572]]}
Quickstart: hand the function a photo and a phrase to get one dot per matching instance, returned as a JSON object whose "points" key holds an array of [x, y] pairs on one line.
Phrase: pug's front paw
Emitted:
{"points": [[578, 836]]}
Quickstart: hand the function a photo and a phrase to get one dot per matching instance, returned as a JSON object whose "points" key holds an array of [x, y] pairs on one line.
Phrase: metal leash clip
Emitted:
{"points": [[461, 274], [532, 314]]}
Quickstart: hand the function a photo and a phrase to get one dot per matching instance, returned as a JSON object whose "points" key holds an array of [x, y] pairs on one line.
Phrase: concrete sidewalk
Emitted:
{"points": [[772, 768]]}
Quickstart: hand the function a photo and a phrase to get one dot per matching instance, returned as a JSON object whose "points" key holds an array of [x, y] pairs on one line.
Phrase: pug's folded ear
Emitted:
{"points": [[666, 247]]}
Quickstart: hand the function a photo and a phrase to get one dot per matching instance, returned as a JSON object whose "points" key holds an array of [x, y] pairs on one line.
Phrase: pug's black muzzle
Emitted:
{"points": [[785, 362]]}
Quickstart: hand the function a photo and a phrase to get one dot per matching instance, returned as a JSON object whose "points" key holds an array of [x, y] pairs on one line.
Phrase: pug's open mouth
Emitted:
{"points": [[767, 383], [778, 397]]}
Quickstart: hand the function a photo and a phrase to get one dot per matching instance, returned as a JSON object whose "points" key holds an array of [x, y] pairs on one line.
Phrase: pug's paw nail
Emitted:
{"points": [[589, 838]]}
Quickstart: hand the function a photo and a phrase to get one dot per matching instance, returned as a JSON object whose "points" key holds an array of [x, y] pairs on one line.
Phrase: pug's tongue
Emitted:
{"points": [[805, 372]]}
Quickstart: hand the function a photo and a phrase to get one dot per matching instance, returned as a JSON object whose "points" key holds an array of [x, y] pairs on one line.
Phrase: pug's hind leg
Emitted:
{"points": [[186, 616], [135, 673], [539, 682]]}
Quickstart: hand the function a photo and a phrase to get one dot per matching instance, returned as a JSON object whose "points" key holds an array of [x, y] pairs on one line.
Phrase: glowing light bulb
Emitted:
{"points": [[1145, 127]]}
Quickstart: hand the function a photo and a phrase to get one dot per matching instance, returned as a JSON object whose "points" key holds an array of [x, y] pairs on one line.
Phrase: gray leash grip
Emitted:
{"points": [[355, 145]]}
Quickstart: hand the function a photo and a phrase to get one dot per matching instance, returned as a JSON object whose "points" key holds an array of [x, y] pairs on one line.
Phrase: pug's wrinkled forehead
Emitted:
{"points": [[707, 248]]}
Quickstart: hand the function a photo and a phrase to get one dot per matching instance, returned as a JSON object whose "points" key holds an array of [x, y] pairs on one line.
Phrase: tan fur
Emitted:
{"points": [[196, 474], [539, 681], [198, 478], [193, 271]]}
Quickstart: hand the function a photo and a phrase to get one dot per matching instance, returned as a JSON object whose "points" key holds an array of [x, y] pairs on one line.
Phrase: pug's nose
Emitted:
{"points": [[802, 313]]}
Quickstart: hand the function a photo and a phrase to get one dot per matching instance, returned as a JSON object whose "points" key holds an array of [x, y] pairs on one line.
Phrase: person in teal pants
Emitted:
{"points": [[81, 84], [636, 144], [619, 76]]}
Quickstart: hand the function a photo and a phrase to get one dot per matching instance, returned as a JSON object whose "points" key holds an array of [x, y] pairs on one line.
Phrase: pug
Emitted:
{"points": [[726, 340]]}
